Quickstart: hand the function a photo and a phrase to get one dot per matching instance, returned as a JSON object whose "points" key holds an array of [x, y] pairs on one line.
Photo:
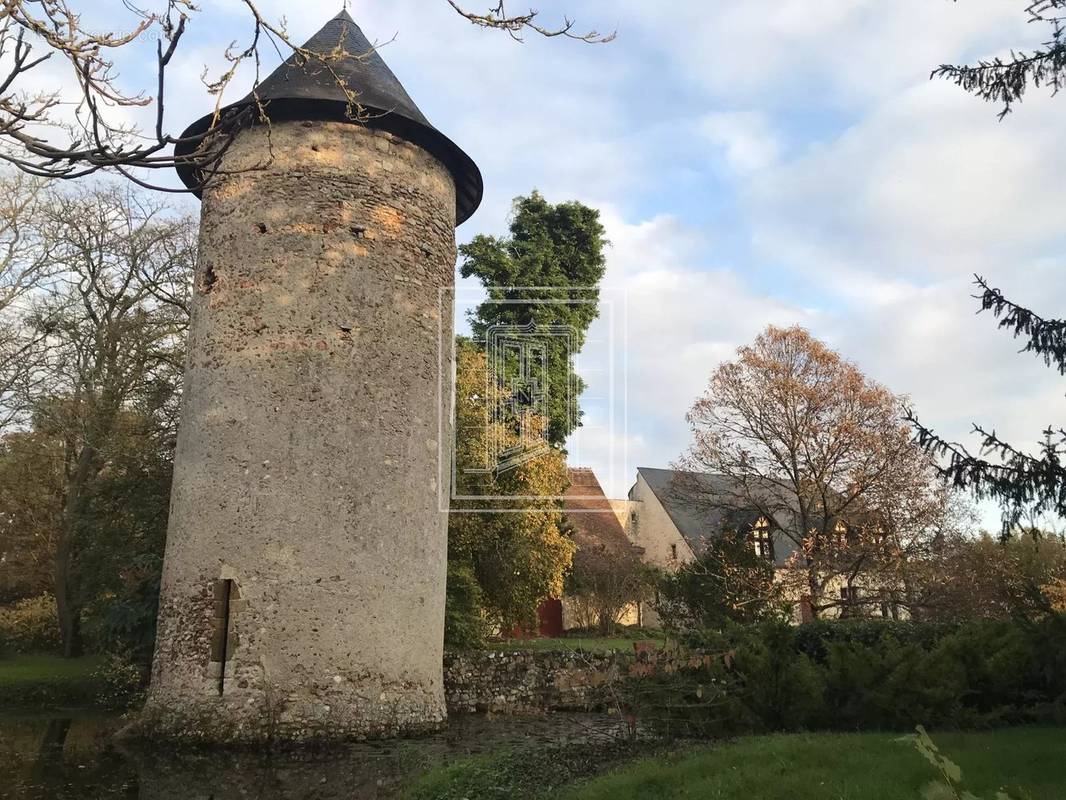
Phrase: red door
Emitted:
{"points": [[550, 614]]}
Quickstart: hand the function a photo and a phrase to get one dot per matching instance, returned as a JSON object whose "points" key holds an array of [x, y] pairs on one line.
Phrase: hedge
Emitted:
{"points": [[856, 676]]}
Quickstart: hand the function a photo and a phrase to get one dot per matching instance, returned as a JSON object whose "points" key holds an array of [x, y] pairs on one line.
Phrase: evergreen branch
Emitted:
{"points": [[1044, 337], [1022, 483], [1004, 81]]}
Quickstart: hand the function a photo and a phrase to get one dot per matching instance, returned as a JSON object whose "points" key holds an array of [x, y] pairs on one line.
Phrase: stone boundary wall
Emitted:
{"points": [[525, 682]]}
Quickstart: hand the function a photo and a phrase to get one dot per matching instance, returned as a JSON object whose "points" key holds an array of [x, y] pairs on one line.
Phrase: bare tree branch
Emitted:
{"points": [[515, 25], [33, 32]]}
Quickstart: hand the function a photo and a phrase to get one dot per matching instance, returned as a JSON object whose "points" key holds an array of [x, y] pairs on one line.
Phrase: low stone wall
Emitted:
{"points": [[525, 682]]}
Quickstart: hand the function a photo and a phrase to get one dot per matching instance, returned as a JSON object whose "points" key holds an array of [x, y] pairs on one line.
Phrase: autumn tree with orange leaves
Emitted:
{"points": [[801, 438]]}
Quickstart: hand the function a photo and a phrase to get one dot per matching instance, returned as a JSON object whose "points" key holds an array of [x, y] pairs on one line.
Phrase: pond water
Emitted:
{"points": [[72, 756]]}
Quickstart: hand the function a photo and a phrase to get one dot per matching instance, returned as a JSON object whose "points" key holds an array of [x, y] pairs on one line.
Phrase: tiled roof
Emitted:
{"points": [[591, 515]]}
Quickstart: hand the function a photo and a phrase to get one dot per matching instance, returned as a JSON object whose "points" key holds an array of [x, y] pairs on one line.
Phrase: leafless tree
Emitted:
{"points": [[26, 246], [114, 322], [33, 32], [605, 582]]}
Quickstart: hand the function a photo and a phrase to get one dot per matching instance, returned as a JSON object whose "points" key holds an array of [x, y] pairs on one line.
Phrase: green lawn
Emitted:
{"points": [[28, 680], [1029, 762], [20, 669]]}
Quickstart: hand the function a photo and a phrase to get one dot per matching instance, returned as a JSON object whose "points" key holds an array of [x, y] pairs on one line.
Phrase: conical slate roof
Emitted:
{"points": [[300, 89]]}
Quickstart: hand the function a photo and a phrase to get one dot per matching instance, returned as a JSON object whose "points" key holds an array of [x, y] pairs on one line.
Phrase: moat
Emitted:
{"points": [[73, 756]]}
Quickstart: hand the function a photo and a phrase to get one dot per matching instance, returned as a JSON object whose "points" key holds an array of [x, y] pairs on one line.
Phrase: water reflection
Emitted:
{"points": [[74, 758]]}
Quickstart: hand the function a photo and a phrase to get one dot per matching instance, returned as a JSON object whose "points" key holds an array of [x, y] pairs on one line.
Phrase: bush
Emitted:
{"points": [[890, 686], [814, 638], [121, 682], [780, 686], [856, 675], [30, 626], [465, 626], [728, 583], [124, 621]]}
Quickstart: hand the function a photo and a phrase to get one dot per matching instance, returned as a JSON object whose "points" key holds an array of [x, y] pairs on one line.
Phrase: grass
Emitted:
{"points": [[22, 669], [536, 772], [46, 680], [557, 645], [589, 644], [1029, 762]]}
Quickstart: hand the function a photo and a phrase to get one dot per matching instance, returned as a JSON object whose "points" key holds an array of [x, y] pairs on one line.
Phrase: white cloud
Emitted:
{"points": [[849, 52], [684, 318], [745, 137], [858, 201], [927, 186]]}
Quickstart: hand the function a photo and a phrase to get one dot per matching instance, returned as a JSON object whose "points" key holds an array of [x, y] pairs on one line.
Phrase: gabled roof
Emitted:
{"points": [[307, 89], [703, 506], [696, 521], [591, 516]]}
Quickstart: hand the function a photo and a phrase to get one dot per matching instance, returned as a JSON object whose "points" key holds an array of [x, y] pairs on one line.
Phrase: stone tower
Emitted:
{"points": [[304, 580]]}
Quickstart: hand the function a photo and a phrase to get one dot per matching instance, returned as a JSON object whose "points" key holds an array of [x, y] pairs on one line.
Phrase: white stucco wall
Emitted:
{"points": [[649, 526]]}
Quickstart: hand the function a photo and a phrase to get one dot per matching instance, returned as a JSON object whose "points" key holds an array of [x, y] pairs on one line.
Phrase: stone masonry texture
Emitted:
{"points": [[304, 579], [530, 682]]}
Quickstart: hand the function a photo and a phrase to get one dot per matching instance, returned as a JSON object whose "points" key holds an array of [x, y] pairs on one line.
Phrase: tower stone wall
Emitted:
{"points": [[304, 580]]}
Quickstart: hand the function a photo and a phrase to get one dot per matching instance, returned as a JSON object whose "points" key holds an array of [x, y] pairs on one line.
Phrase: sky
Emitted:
{"points": [[754, 163]]}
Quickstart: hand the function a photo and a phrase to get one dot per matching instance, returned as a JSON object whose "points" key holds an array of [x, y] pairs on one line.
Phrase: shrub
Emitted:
{"points": [[728, 583], [605, 581], [815, 637], [780, 686], [120, 682], [465, 626], [890, 686], [857, 676], [124, 621], [29, 626]]}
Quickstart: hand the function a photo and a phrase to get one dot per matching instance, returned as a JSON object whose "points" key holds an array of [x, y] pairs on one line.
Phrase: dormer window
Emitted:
{"points": [[842, 535], [763, 539]]}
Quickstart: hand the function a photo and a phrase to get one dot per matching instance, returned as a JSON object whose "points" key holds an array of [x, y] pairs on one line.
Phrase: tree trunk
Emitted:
{"points": [[49, 767], [67, 607], [606, 622], [816, 592]]}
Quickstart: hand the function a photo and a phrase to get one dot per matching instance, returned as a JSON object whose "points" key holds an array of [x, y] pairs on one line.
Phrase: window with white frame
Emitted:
{"points": [[762, 538]]}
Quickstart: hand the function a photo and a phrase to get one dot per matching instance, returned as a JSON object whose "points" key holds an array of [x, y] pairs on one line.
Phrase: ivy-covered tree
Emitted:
{"points": [[545, 273], [504, 533], [1004, 81], [1026, 485]]}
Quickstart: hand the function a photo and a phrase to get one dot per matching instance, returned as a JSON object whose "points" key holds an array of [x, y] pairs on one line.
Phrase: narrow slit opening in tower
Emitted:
{"points": [[208, 280], [220, 634]]}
